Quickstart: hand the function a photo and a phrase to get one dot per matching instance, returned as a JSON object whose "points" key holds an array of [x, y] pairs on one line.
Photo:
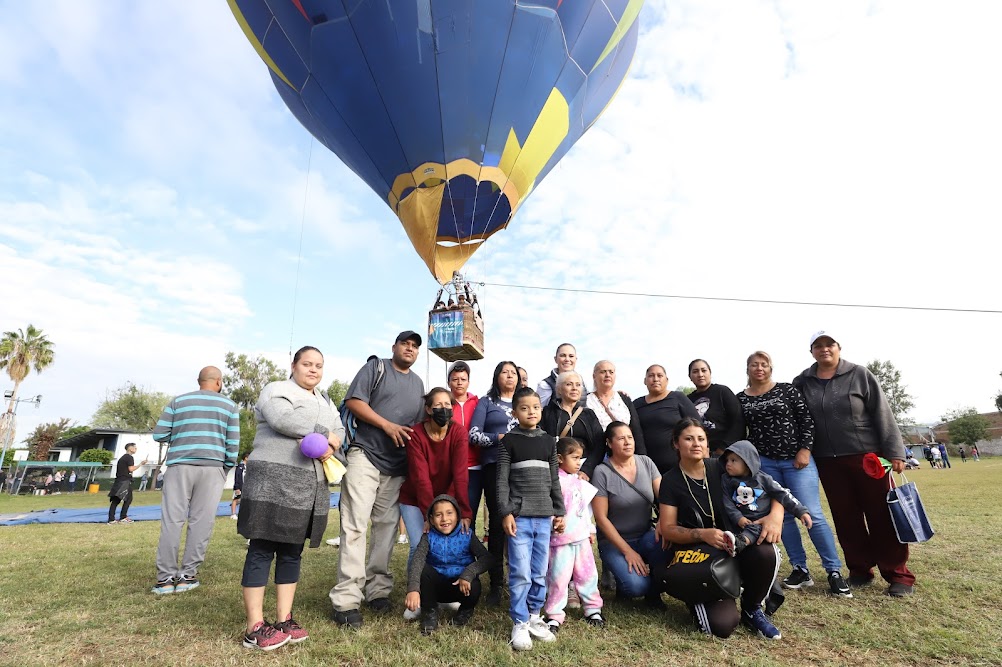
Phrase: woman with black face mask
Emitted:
{"points": [[436, 464]]}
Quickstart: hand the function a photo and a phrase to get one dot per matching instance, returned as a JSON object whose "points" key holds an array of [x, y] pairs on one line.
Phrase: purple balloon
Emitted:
{"points": [[314, 446]]}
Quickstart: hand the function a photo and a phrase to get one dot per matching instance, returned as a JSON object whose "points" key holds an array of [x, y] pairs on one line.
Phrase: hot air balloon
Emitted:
{"points": [[452, 111]]}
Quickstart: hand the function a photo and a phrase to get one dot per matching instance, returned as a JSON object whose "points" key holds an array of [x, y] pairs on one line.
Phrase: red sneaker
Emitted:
{"points": [[294, 630], [265, 637]]}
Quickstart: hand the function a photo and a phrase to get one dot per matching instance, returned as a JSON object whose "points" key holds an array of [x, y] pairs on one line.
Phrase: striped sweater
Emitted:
{"points": [[527, 475], [202, 428]]}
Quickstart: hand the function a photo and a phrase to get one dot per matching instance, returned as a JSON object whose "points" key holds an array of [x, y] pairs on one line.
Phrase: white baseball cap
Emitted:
{"points": [[822, 334]]}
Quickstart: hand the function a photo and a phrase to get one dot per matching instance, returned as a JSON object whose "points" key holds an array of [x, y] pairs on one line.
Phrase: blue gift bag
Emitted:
{"points": [[907, 512]]}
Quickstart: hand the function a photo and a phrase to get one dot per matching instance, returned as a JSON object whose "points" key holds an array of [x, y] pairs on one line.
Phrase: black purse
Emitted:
{"points": [[698, 573]]}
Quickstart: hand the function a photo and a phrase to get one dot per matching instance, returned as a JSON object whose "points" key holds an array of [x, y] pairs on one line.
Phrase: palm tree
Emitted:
{"points": [[20, 352]]}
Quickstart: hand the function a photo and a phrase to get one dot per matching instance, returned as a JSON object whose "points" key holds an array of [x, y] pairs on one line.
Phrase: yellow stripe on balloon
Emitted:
{"points": [[523, 163], [256, 43], [625, 21]]}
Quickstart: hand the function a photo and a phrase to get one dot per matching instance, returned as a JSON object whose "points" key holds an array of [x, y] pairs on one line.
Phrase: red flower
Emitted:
{"points": [[875, 466]]}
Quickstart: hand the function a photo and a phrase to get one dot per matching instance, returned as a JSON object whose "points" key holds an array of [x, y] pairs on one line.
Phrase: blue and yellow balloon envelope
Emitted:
{"points": [[451, 110]]}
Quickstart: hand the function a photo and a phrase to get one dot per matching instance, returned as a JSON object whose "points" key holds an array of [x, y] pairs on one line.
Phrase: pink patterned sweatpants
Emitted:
{"points": [[571, 562]]}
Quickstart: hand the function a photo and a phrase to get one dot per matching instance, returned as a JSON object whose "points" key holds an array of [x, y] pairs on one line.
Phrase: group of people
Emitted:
{"points": [[557, 468]]}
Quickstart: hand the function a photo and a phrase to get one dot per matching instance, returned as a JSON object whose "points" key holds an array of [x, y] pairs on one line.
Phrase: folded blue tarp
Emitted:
{"points": [[100, 514]]}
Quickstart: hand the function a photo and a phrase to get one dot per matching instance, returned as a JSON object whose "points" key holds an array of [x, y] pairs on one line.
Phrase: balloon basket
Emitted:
{"points": [[456, 328]]}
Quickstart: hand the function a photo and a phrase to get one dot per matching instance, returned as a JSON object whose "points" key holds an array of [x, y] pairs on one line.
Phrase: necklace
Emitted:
{"points": [[704, 487]]}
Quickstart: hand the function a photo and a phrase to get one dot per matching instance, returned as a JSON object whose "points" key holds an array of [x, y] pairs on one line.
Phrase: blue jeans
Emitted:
{"points": [[630, 584], [528, 560], [476, 491], [414, 525], [805, 486]]}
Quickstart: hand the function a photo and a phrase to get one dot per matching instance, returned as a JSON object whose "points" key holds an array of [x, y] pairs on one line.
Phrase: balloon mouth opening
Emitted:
{"points": [[454, 244]]}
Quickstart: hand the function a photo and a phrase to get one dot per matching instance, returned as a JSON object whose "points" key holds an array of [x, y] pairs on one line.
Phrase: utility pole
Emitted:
{"points": [[8, 421]]}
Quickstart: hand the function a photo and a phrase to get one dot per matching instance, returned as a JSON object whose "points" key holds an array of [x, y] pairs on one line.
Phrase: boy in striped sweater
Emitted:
{"points": [[529, 501]]}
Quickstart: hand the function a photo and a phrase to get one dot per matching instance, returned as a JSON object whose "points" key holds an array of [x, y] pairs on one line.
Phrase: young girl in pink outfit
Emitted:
{"points": [[571, 555]]}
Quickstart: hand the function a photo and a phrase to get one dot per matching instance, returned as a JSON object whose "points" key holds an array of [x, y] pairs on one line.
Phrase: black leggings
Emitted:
{"points": [[288, 557], [497, 538], [125, 507], [757, 565], [435, 588]]}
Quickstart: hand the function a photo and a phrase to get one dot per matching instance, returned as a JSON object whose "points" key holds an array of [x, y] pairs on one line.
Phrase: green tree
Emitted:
{"points": [[998, 400], [102, 456], [966, 426], [21, 351], [337, 391], [898, 398], [248, 429], [685, 389], [131, 408], [246, 377], [40, 440]]}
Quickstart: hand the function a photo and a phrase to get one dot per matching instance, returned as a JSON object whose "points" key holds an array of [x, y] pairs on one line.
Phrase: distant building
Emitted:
{"points": [[991, 445], [69, 449]]}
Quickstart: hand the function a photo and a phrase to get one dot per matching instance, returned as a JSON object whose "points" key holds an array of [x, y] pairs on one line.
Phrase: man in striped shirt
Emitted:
{"points": [[202, 430]]}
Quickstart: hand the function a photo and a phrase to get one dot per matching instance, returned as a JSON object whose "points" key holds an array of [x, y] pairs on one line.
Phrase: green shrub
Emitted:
{"points": [[102, 456]]}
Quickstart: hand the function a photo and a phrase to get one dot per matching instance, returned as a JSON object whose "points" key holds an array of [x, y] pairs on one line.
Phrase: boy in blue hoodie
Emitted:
{"points": [[744, 485], [446, 567]]}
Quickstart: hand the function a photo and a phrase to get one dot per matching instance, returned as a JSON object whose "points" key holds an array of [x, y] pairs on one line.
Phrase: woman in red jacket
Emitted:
{"points": [[463, 405], [437, 462]]}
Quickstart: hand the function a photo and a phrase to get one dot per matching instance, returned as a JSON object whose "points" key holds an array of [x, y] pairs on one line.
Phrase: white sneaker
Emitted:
{"points": [[451, 606], [401, 539], [412, 615], [233, 516], [334, 542], [520, 639], [540, 630]]}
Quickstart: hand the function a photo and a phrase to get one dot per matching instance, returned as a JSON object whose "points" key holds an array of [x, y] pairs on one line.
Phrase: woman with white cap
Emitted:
{"points": [[853, 418]]}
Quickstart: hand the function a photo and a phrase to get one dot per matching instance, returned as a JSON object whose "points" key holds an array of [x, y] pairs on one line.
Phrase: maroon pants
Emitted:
{"points": [[858, 504]]}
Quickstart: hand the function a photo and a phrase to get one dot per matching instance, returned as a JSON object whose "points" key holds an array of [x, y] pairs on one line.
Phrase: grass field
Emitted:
{"points": [[79, 594]]}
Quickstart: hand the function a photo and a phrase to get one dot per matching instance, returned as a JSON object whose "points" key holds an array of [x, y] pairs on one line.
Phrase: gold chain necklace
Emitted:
{"points": [[706, 487]]}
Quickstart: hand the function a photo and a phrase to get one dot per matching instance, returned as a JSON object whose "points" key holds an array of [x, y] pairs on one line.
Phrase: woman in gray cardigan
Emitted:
{"points": [[285, 495]]}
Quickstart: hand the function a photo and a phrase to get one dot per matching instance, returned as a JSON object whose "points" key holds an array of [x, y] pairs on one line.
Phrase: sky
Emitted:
{"points": [[160, 206]]}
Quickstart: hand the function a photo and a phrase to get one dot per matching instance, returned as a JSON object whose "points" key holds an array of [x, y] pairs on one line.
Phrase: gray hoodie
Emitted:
{"points": [[851, 414], [750, 497]]}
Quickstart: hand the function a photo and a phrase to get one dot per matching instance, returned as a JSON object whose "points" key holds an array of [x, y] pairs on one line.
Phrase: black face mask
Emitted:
{"points": [[441, 416]]}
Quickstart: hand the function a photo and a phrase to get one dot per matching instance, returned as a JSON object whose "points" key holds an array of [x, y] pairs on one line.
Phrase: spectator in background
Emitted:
{"points": [[121, 490], [238, 485], [974, 453], [963, 454], [73, 481], [144, 481], [944, 455]]}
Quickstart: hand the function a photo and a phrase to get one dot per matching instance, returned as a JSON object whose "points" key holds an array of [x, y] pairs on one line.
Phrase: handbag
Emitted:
{"points": [[911, 524], [699, 573]]}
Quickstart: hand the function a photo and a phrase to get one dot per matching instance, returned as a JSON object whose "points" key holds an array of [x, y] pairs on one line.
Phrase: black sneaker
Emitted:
{"points": [[351, 618], [463, 616], [899, 590], [380, 605], [595, 619], [429, 621], [494, 597], [838, 586], [860, 580], [799, 578]]}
